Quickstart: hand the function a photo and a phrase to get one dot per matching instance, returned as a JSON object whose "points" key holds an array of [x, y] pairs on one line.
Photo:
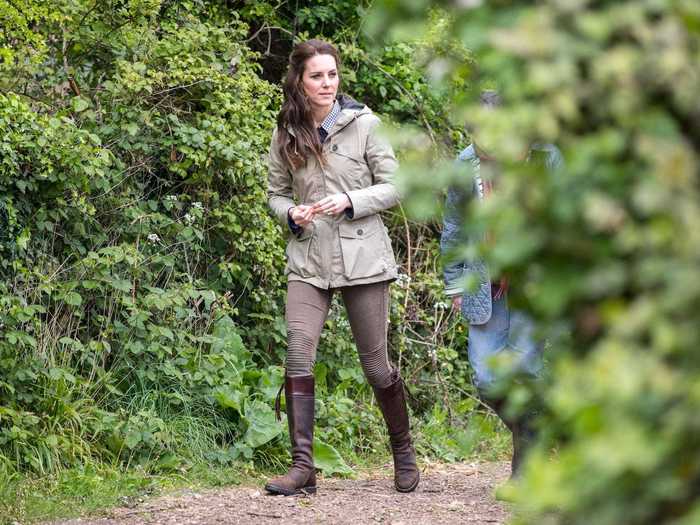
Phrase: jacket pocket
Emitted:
{"points": [[298, 253], [345, 161], [363, 247]]}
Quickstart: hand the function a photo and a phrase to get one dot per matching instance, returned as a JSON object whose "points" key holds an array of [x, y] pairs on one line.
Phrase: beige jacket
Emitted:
{"points": [[349, 248]]}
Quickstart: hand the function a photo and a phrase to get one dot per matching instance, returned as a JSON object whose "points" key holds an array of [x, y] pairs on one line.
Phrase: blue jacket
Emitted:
{"points": [[476, 302]]}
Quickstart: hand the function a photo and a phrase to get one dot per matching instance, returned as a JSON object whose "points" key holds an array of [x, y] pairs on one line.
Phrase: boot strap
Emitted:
{"points": [[278, 402]]}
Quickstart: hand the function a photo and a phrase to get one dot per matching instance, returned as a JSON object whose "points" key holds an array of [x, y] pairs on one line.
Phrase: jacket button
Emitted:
{"points": [[334, 147], [359, 232]]}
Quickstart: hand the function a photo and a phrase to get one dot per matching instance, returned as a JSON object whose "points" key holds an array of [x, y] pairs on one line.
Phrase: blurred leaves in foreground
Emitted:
{"points": [[606, 252]]}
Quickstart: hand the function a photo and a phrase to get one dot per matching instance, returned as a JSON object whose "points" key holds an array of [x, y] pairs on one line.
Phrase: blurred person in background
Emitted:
{"points": [[501, 343], [330, 174]]}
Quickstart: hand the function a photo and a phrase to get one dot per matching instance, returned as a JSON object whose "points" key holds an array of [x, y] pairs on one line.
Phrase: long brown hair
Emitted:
{"points": [[296, 111]]}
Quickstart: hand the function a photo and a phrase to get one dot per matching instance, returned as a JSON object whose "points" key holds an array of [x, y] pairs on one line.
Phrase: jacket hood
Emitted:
{"points": [[350, 109], [347, 102]]}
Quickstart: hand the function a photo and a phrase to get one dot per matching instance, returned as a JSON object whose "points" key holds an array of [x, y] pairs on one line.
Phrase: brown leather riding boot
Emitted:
{"points": [[392, 402], [301, 477]]}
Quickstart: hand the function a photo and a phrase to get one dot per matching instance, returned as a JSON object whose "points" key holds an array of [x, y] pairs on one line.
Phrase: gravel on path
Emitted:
{"points": [[448, 494]]}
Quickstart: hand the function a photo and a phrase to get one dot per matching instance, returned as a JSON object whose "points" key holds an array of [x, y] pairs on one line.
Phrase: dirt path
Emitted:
{"points": [[448, 494]]}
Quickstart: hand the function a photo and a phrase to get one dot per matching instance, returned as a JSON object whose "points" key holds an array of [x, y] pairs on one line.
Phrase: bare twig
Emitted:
{"points": [[269, 28], [80, 24], [184, 86], [409, 272], [262, 515], [141, 511], [71, 81]]}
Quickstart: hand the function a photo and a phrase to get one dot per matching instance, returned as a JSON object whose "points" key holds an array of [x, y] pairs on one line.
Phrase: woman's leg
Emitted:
{"points": [[503, 348], [307, 307], [306, 311], [486, 342], [368, 310]]}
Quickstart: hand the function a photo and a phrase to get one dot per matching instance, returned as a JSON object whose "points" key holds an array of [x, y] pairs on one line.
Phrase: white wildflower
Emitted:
{"points": [[198, 206], [189, 219], [403, 279], [153, 237]]}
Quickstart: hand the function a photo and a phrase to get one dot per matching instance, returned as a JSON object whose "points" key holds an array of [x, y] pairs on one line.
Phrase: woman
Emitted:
{"points": [[330, 176]]}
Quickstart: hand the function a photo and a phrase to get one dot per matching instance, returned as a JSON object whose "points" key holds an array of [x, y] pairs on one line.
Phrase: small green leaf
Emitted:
{"points": [[132, 128], [73, 299], [132, 439], [80, 104], [121, 285], [167, 333]]}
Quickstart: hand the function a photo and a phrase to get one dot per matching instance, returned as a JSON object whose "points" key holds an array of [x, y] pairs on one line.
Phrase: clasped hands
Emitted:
{"points": [[304, 214]]}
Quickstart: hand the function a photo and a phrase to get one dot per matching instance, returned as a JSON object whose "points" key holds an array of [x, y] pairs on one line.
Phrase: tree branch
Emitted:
{"points": [[409, 95]]}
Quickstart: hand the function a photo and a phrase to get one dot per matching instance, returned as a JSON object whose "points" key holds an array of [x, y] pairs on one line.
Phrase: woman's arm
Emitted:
{"points": [[382, 163], [280, 196], [452, 237]]}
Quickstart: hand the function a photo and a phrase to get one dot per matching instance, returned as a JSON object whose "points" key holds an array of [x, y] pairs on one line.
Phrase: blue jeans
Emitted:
{"points": [[503, 347]]}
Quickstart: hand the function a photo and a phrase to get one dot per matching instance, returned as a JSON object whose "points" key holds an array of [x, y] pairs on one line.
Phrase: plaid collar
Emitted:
{"points": [[330, 119]]}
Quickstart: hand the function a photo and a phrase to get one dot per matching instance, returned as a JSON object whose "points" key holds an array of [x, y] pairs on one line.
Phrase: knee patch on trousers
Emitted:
{"points": [[301, 353], [376, 368]]}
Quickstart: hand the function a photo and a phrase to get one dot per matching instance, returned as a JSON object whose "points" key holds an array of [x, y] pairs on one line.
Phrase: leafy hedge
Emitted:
{"points": [[129, 248], [141, 290]]}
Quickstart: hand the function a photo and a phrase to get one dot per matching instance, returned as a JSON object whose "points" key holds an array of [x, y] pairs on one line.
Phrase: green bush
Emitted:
{"points": [[140, 270], [128, 248]]}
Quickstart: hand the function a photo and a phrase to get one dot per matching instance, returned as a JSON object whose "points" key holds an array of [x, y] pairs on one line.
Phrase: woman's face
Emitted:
{"points": [[320, 80]]}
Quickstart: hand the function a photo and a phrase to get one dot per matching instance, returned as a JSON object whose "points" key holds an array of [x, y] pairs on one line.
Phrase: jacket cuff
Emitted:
{"points": [[453, 291], [360, 204], [349, 212], [293, 226]]}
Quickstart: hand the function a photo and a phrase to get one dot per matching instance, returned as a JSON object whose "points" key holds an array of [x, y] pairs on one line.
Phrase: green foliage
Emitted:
{"points": [[604, 252], [127, 249], [141, 292], [87, 489]]}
